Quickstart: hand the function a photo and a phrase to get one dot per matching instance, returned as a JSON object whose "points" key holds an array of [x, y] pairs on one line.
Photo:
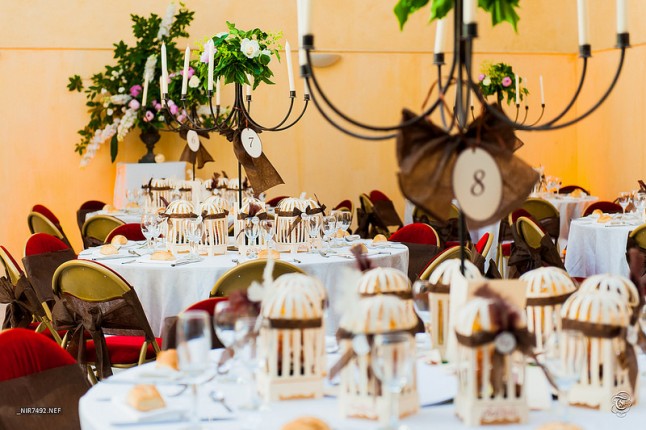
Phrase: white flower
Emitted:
{"points": [[166, 23], [120, 99], [194, 82], [486, 81], [250, 48], [112, 78], [122, 90], [149, 69], [160, 118], [103, 91], [109, 112], [126, 124]]}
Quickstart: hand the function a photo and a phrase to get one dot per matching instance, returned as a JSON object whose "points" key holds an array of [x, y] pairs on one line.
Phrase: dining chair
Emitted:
{"points": [[96, 229], [242, 275], [638, 235], [416, 233], [169, 330], [484, 244], [273, 202], [131, 231], [376, 195], [447, 254], [506, 238], [101, 302], [604, 206], [42, 220], [530, 232], [86, 208], [382, 213], [546, 214], [39, 243], [570, 188], [11, 267], [345, 205]]}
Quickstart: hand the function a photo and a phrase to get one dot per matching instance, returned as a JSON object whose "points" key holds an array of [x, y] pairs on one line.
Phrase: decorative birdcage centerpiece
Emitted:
{"points": [[610, 363], [178, 213], [291, 233], [251, 207], [547, 290], [185, 189], [438, 292], [293, 339], [158, 188], [492, 342], [216, 225], [361, 394]]}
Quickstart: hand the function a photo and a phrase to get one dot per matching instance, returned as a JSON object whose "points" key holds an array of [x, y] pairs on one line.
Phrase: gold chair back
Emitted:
{"points": [[529, 232], [539, 208], [88, 281], [100, 226], [12, 271], [448, 254], [639, 236], [241, 276], [38, 223]]}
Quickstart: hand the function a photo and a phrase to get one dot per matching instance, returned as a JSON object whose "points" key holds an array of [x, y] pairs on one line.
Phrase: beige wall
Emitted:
{"points": [[42, 42]]}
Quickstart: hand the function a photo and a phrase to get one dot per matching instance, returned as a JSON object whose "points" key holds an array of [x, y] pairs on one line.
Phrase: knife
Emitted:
{"points": [[181, 263], [176, 419], [111, 257]]}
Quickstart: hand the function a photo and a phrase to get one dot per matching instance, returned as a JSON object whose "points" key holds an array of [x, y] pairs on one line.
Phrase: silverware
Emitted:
{"points": [[175, 419], [129, 261], [133, 252], [296, 261], [235, 260], [218, 397], [111, 257], [181, 263]]}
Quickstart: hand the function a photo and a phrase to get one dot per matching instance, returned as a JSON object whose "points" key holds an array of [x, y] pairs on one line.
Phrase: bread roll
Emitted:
{"points": [[597, 212], [162, 256], [109, 208], [379, 238], [109, 249], [119, 240], [361, 246], [168, 359], [604, 218], [340, 234], [145, 398], [306, 423]]}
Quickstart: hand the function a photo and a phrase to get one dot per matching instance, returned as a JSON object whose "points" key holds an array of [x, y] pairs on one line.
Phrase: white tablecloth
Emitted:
{"points": [[597, 248], [127, 217], [97, 409], [570, 208], [166, 291], [134, 175]]}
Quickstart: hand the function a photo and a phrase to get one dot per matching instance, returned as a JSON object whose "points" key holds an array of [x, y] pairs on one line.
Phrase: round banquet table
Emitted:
{"points": [[570, 208], [103, 408], [129, 217], [598, 247], [165, 291]]}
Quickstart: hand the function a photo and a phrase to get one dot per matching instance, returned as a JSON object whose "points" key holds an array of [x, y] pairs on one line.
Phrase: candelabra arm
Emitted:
{"points": [[584, 71], [540, 116], [277, 127], [298, 118]]}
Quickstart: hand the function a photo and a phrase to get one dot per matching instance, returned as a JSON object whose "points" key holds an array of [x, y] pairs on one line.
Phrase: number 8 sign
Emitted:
{"points": [[477, 184]]}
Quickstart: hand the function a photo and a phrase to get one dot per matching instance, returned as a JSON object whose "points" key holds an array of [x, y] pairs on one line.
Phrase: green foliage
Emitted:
{"points": [[500, 10], [492, 81], [75, 84]]}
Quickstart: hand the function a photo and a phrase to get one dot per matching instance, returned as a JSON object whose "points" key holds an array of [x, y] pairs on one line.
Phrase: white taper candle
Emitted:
{"points": [[187, 59], [290, 71], [517, 89], [217, 92], [542, 90], [164, 87], [582, 15], [468, 11], [622, 17], [439, 36], [211, 51], [145, 95]]}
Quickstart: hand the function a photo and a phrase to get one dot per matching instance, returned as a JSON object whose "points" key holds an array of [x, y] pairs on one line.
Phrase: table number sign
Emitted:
{"points": [[477, 184], [251, 142], [193, 140]]}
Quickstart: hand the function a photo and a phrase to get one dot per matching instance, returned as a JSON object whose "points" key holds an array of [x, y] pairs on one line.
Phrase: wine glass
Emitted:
{"points": [[267, 226], [193, 346], [329, 227], [422, 305], [194, 233], [343, 220], [224, 318], [392, 364], [563, 356], [245, 339], [313, 224], [624, 200], [149, 227], [252, 230]]}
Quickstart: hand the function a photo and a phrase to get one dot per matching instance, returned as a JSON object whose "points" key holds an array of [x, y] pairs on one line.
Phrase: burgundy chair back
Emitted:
{"points": [[40, 243], [207, 305], [344, 204], [274, 202], [130, 231], [7, 254], [25, 352], [415, 233], [86, 208], [604, 206], [376, 195], [570, 188], [47, 214]]}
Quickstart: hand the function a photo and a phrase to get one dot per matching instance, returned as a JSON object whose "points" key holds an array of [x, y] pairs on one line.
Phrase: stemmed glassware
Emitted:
{"points": [[193, 346], [329, 227], [267, 225], [224, 318], [563, 356], [252, 231], [392, 364], [245, 338], [313, 224], [422, 305], [194, 234], [149, 228], [624, 200], [343, 220]]}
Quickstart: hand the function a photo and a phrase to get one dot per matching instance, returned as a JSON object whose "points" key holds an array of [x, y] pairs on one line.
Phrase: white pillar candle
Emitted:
{"points": [[439, 36], [211, 51], [290, 71], [468, 11], [247, 87], [145, 95], [164, 70], [161, 90], [302, 57], [187, 59], [217, 92], [542, 90], [304, 17], [517, 89], [582, 16], [622, 17]]}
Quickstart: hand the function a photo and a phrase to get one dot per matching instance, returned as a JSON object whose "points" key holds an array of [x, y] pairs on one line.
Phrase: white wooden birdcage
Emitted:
{"points": [[216, 228], [293, 339], [547, 289], [159, 187], [361, 394], [179, 213], [477, 401], [619, 285], [439, 288], [287, 212], [242, 214], [185, 189], [603, 373]]}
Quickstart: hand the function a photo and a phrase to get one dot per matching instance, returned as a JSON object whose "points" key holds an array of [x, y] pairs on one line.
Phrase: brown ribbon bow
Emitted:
{"points": [[201, 157], [427, 154], [297, 213], [260, 171]]}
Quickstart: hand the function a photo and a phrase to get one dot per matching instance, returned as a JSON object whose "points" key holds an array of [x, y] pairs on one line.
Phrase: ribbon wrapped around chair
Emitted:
{"points": [[260, 171], [427, 154], [21, 300], [552, 226], [525, 258], [201, 157]]}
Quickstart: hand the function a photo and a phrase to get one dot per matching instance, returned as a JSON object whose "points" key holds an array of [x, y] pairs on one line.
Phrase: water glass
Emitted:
{"points": [[252, 231], [267, 226], [624, 201], [343, 220], [422, 305], [246, 348], [329, 228], [194, 233], [149, 227], [392, 364]]}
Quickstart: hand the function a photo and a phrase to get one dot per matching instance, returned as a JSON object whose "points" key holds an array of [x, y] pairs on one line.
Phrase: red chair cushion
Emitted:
{"points": [[376, 195], [25, 352], [506, 249], [480, 246], [207, 305], [92, 205], [344, 204], [130, 231], [122, 349], [605, 207], [13, 260], [274, 202], [40, 243], [414, 233], [451, 244], [47, 214]]}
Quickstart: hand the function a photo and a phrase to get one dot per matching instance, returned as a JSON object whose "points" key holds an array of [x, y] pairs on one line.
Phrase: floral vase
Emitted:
{"points": [[150, 137]]}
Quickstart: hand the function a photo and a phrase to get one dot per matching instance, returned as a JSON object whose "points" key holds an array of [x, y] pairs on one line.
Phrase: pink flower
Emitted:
{"points": [[481, 76], [204, 58], [191, 72], [173, 108], [506, 81], [134, 104], [149, 116], [135, 90], [157, 106], [181, 117]]}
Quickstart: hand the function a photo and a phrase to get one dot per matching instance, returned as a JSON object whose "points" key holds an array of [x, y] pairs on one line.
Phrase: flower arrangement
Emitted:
{"points": [[116, 94], [240, 55], [500, 10], [499, 79]]}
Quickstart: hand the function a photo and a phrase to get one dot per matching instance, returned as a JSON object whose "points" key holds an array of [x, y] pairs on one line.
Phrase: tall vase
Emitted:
{"points": [[150, 137]]}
